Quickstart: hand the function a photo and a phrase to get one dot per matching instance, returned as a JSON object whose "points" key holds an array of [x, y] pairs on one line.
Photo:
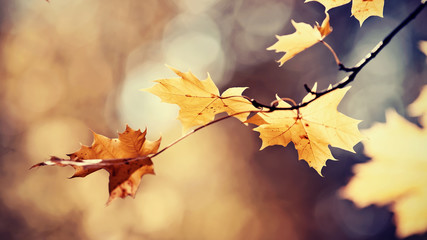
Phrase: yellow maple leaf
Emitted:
{"points": [[304, 37], [311, 129], [125, 158], [396, 174], [329, 4], [362, 9], [199, 100]]}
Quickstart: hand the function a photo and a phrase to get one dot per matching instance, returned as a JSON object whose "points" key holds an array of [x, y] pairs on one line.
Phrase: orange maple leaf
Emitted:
{"points": [[396, 174], [311, 128], [199, 100], [304, 37], [126, 159]]}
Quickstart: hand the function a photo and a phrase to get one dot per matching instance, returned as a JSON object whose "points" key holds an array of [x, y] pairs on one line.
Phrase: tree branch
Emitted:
{"points": [[341, 84], [354, 70]]}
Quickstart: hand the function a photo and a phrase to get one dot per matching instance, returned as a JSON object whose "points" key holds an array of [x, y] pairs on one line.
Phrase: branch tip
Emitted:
{"points": [[307, 88]]}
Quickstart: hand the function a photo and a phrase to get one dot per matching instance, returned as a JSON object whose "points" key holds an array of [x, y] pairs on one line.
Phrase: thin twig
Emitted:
{"points": [[201, 127], [276, 102], [341, 67]]}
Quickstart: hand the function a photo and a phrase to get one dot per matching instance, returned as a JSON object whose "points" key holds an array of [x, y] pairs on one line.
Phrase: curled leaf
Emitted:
{"points": [[126, 159]]}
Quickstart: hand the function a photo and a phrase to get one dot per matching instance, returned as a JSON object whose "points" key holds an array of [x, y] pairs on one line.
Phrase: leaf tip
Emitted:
{"points": [[176, 71], [318, 169], [37, 165]]}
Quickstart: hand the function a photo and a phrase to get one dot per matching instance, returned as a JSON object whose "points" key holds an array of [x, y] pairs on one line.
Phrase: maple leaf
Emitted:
{"points": [[199, 100], [311, 128], [125, 158], [304, 37], [330, 3], [396, 174], [362, 9]]}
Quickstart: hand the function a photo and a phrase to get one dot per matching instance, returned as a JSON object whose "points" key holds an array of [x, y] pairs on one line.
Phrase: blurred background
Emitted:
{"points": [[68, 67]]}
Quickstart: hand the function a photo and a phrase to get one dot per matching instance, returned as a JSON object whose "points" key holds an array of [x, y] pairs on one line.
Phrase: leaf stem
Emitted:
{"points": [[337, 60]]}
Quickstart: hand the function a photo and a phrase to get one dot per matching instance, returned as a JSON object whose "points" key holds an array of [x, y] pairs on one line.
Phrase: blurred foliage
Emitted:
{"points": [[70, 66]]}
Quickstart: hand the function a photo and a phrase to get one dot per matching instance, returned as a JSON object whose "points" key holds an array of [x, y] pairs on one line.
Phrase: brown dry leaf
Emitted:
{"points": [[125, 158], [362, 9], [330, 3], [396, 174], [304, 37], [199, 100], [312, 129]]}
